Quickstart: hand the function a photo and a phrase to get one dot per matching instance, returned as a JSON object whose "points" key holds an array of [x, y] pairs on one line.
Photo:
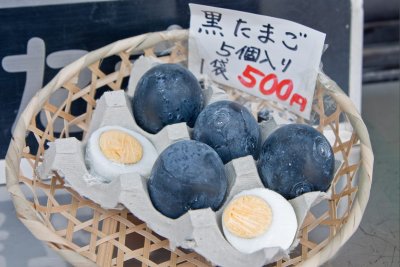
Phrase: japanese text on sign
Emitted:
{"points": [[267, 57]]}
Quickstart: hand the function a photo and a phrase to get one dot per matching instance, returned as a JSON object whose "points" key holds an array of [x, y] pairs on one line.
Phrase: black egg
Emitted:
{"points": [[166, 94], [187, 175], [230, 129], [296, 159]]}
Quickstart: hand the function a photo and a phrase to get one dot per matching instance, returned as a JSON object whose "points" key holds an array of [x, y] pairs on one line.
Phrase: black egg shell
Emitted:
{"points": [[230, 129], [199, 230], [187, 175], [167, 94], [296, 159]]}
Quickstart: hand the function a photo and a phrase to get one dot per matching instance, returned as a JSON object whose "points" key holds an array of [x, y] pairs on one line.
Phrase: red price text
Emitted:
{"points": [[269, 85]]}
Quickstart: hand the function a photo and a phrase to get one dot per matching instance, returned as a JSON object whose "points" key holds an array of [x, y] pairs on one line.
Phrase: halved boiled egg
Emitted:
{"points": [[114, 150], [259, 218]]}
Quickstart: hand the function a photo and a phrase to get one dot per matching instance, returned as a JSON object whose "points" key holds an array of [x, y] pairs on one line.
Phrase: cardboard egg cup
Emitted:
{"points": [[199, 230]]}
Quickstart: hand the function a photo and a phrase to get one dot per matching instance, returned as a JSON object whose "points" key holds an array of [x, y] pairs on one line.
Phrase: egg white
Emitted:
{"points": [[282, 230], [107, 170]]}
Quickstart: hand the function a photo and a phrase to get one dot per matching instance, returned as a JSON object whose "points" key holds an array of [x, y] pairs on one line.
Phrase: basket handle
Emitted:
{"points": [[365, 174]]}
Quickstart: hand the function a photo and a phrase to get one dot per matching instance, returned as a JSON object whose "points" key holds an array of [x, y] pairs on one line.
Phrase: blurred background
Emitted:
{"points": [[40, 37], [381, 41]]}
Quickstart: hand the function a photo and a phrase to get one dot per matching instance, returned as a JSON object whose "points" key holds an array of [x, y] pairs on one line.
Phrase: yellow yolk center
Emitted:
{"points": [[120, 147], [247, 216]]}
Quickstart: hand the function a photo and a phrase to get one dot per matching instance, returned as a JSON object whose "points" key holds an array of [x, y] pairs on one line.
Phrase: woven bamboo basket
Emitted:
{"points": [[87, 235]]}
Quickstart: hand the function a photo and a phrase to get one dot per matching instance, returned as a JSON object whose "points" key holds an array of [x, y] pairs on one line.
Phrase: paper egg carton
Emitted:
{"points": [[199, 230]]}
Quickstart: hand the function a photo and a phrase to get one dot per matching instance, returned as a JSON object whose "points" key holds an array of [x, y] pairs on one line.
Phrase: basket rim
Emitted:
{"points": [[31, 218]]}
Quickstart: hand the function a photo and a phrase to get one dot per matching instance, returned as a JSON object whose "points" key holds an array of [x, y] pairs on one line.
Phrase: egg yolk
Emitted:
{"points": [[120, 147], [247, 216]]}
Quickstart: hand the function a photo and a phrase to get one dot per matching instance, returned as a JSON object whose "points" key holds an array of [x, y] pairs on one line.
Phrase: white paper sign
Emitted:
{"points": [[270, 58]]}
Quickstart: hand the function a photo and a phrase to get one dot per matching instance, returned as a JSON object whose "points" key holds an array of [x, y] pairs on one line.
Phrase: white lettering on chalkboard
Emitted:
{"points": [[33, 63]]}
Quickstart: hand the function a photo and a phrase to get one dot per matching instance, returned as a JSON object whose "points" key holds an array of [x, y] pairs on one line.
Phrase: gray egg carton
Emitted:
{"points": [[198, 230]]}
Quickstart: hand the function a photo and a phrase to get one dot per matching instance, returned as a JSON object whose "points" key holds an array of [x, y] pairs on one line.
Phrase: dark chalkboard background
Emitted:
{"points": [[76, 28]]}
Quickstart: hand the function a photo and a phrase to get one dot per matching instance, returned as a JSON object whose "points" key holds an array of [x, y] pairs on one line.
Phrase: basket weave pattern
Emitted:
{"points": [[116, 237]]}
